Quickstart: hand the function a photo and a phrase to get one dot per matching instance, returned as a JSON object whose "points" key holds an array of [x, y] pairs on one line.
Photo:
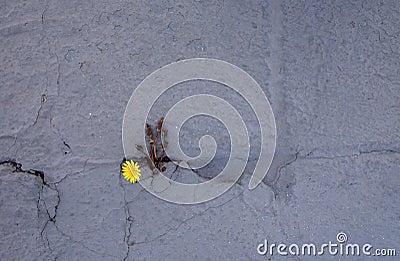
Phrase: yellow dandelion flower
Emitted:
{"points": [[131, 171]]}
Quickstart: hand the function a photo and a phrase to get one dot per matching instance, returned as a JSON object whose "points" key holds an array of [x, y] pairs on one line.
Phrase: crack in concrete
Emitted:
{"points": [[307, 156], [14, 142], [40, 200], [57, 132], [359, 153], [69, 238], [378, 151], [46, 67], [71, 174], [40, 109], [37, 173], [58, 74], [284, 165], [128, 220], [51, 218], [176, 228], [195, 171]]}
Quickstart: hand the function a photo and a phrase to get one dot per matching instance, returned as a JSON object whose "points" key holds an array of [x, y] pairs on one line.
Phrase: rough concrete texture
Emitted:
{"points": [[331, 70]]}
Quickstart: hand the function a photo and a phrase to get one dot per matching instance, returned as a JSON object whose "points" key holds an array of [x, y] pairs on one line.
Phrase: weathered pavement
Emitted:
{"points": [[331, 72]]}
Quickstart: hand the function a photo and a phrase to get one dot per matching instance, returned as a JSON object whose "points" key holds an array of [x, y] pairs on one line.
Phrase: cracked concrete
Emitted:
{"points": [[330, 70]]}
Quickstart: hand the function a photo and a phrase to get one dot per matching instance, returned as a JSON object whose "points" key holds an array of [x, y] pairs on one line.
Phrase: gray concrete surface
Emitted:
{"points": [[331, 70]]}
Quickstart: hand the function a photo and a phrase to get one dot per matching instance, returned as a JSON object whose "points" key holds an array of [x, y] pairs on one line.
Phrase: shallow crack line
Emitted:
{"points": [[38, 216], [37, 173], [12, 145], [128, 219], [6, 15], [359, 153], [173, 172], [53, 128], [40, 109], [253, 209], [284, 165], [50, 54], [46, 66], [71, 174], [134, 199], [50, 218], [58, 74], [57, 131], [53, 219], [187, 220], [205, 179], [378, 151], [44, 11], [307, 156], [197, 173], [80, 243], [115, 209]]}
